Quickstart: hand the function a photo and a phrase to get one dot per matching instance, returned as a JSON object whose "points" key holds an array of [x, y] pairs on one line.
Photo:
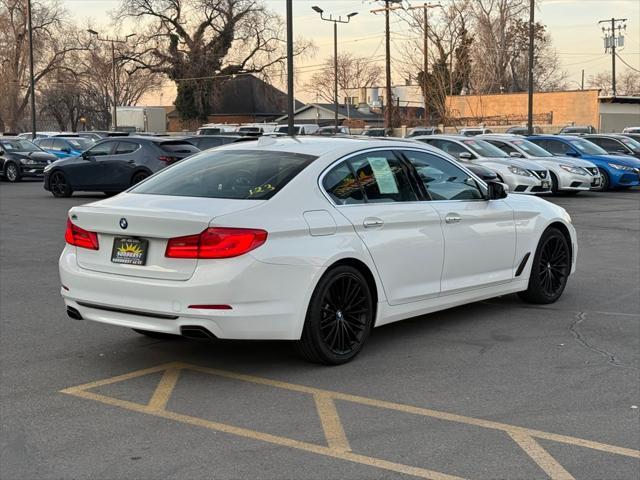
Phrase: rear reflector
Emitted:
{"points": [[216, 243], [80, 237], [211, 307]]}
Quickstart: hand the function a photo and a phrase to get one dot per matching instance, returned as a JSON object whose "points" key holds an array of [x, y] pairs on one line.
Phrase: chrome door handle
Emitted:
{"points": [[452, 218], [372, 222]]}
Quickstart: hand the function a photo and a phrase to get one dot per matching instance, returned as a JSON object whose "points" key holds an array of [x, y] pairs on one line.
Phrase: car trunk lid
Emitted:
{"points": [[151, 218]]}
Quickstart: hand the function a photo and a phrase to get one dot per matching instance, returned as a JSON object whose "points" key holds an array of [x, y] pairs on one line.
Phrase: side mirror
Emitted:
{"points": [[88, 156], [572, 153], [497, 190], [516, 155], [465, 156]]}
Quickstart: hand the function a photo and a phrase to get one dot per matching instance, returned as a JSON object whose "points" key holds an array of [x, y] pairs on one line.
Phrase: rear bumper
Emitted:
{"points": [[268, 301]]}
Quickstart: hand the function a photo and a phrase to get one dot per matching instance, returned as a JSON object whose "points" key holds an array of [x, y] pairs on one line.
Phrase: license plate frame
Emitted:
{"points": [[130, 251]]}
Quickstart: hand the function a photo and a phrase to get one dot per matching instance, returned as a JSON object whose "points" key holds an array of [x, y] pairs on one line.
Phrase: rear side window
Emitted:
{"points": [[341, 185], [126, 147], [179, 147], [232, 174]]}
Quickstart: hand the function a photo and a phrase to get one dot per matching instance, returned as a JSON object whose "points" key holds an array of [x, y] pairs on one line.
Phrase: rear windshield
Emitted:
{"points": [[179, 147], [285, 129], [232, 174]]}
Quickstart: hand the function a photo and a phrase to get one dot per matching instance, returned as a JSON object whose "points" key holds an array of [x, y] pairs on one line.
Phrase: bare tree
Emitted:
{"points": [[199, 43], [353, 72], [627, 83], [53, 40]]}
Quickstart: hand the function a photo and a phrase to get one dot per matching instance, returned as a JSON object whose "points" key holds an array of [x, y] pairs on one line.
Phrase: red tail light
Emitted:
{"points": [[167, 160], [216, 243], [80, 237]]}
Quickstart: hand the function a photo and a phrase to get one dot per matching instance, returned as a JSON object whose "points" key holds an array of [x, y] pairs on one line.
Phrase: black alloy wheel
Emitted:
{"points": [[550, 269], [339, 318], [12, 172], [138, 177], [605, 182], [59, 186]]}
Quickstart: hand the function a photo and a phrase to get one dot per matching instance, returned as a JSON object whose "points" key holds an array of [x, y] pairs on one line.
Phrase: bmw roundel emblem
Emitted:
{"points": [[123, 223]]}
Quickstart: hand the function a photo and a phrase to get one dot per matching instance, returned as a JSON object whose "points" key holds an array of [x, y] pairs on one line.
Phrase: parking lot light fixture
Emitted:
{"points": [[335, 21]]}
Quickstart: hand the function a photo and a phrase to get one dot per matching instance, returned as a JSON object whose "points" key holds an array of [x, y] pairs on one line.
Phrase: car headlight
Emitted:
{"points": [[519, 171], [621, 167], [574, 170], [28, 161]]}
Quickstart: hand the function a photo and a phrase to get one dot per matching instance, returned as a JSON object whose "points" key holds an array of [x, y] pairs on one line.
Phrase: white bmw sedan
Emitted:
{"points": [[316, 240]]}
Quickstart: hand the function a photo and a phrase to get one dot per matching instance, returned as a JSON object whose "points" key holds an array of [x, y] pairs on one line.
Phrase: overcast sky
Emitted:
{"points": [[571, 23]]}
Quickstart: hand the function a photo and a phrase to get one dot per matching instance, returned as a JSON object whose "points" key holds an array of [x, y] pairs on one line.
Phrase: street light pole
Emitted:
{"points": [[113, 41], [335, 21], [531, 61], [31, 75], [290, 93]]}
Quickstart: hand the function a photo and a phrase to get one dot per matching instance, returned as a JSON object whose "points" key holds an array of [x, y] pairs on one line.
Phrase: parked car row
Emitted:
{"points": [[527, 165]]}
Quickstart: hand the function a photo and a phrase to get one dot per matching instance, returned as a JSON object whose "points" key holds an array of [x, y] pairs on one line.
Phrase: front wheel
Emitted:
{"points": [[59, 186], [339, 318], [550, 269], [12, 172], [605, 182]]}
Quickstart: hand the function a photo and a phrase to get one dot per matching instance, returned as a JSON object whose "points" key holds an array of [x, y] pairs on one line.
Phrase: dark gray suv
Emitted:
{"points": [[113, 165]]}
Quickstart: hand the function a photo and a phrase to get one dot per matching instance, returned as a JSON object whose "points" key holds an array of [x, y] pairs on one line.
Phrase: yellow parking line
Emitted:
{"points": [[539, 455], [338, 444], [266, 437], [331, 423], [452, 417], [164, 389]]}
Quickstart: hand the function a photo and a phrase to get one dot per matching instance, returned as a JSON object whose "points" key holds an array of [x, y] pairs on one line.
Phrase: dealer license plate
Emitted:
{"points": [[129, 251]]}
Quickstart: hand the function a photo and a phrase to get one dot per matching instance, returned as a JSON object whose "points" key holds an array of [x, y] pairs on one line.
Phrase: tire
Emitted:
{"points": [[138, 177], [157, 335], [59, 186], [554, 184], [12, 172], [339, 318], [606, 181], [550, 269]]}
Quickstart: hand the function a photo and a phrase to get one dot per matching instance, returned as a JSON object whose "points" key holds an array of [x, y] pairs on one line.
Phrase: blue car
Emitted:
{"points": [[617, 171], [64, 147]]}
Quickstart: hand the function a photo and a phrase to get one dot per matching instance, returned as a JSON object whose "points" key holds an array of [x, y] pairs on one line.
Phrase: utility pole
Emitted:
{"points": [[532, 19], [113, 41], [335, 21], [290, 93], [425, 65], [32, 79], [388, 113], [611, 41]]}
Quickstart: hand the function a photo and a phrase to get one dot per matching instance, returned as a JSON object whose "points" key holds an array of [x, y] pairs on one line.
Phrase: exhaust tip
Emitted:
{"points": [[73, 313], [195, 332]]}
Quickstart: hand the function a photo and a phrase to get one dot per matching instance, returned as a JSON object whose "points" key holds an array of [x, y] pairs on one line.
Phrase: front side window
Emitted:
{"points": [[554, 146], [382, 177], [231, 174], [444, 180], [608, 144], [46, 143], [80, 143], [59, 145]]}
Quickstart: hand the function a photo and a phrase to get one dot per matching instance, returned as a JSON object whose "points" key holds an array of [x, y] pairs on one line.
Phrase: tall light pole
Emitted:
{"points": [[290, 93], [32, 79], [335, 21], [532, 12], [113, 41]]}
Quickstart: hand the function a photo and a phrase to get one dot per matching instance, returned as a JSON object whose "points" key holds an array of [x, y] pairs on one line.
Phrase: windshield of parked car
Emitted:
{"points": [[19, 146], [584, 146], [531, 148], [231, 174], [631, 143], [484, 149]]}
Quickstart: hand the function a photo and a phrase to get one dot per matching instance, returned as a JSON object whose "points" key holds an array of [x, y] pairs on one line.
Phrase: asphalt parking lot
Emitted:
{"points": [[493, 390]]}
